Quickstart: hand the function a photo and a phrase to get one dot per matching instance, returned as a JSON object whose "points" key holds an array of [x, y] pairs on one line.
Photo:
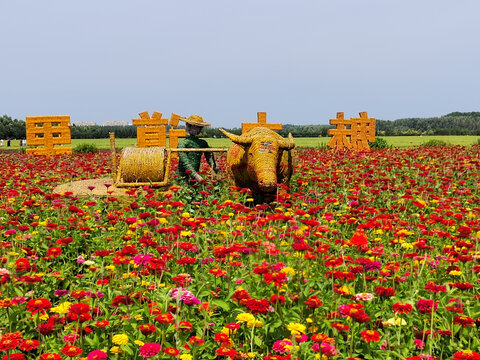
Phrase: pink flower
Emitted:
{"points": [[419, 343], [279, 346], [97, 355], [70, 338], [149, 349]]}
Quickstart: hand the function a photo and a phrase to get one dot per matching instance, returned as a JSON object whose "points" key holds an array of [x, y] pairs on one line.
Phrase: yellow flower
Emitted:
{"points": [[245, 317], [313, 329], [61, 308], [116, 350], [288, 270], [139, 342], [251, 355], [120, 339], [296, 328], [455, 273], [186, 357], [395, 321]]}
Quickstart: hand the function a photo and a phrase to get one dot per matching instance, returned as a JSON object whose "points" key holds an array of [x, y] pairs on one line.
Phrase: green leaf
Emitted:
{"points": [[220, 303]]}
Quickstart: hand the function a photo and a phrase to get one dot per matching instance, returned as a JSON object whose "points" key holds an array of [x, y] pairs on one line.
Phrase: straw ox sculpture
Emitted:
{"points": [[260, 159]]}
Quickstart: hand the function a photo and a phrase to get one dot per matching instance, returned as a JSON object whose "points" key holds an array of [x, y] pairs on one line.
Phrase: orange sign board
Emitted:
{"points": [[152, 131], [45, 132], [352, 134], [261, 121]]}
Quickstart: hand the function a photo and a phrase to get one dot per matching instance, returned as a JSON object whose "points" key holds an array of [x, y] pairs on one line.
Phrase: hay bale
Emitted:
{"points": [[143, 164]]}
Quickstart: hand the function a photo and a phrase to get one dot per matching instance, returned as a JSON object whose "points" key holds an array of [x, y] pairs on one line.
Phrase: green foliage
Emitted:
{"points": [[478, 141], [455, 123], [11, 128], [85, 148], [379, 143], [436, 142]]}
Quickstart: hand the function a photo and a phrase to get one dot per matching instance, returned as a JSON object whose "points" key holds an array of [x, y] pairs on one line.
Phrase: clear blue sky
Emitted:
{"points": [[299, 61]]}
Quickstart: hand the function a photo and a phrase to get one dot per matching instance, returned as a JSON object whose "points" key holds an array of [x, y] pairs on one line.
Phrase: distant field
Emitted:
{"points": [[394, 141]]}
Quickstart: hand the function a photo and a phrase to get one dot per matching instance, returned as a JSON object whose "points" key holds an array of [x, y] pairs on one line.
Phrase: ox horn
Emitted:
{"points": [[237, 139], [287, 144]]}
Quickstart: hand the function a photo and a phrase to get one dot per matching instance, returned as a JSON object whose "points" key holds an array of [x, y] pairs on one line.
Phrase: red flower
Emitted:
{"points": [[280, 299], [147, 329], [370, 335], [278, 278], [165, 318], [241, 295], [402, 308], [78, 294], [358, 239], [426, 306], [79, 308], [462, 285], [10, 341], [258, 306], [185, 326], [466, 355], [71, 351], [384, 291], [14, 356], [226, 352], [50, 356], [463, 320], [340, 326], [102, 323], [222, 338], [171, 351], [195, 340], [54, 252], [313, 302], [38, 305], [29, 345]]}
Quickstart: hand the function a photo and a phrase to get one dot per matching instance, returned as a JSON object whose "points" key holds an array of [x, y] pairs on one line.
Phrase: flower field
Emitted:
{"points": [[368, 256]]}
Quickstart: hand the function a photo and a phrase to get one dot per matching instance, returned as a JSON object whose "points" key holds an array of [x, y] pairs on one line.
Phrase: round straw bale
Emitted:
{"points": [[143, 164]]}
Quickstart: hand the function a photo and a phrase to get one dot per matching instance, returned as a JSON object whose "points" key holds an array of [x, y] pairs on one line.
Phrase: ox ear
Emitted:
{"points": [[237, 139], [287, 144]]}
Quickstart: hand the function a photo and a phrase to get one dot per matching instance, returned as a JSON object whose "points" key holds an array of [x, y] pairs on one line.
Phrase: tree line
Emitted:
{"points": [[455, 123]]}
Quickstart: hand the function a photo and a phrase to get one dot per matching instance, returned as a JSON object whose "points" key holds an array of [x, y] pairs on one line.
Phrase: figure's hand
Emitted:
{"points": [[198, 178]]}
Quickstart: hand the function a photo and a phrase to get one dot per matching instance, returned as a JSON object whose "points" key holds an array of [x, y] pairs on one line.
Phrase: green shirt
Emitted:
{"points": [[190, 161]]}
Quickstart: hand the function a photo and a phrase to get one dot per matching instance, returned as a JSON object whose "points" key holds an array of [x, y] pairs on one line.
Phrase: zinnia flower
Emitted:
{"points": [[120, 339], [466, 355], [296, 328], [50, 356], [97, 355], [71, 351], [38, 305], [370, 335], [149, 349]]}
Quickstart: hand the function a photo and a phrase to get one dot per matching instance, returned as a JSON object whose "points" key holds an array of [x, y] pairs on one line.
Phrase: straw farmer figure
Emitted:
{"points": [[189, 162]]}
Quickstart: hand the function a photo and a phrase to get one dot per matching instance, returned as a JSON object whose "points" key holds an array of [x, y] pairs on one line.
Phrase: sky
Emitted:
{"points": [[301, 61]]}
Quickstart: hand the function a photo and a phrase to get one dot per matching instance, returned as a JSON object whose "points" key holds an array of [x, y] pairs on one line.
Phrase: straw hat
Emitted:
{"points": [[196, 120]]}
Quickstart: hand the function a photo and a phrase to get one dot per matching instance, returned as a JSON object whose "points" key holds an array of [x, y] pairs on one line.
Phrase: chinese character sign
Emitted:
{"points": [[45, 132], [352, 134], [261, 121]]}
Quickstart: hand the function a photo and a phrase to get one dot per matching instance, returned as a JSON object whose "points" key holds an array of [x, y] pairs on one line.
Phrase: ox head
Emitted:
{"points": [[263, 148]]}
